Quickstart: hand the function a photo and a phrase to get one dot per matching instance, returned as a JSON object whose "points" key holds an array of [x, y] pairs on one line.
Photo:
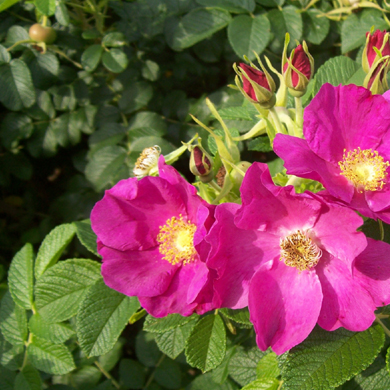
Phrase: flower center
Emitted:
{"points": [[299, 251], [176, 239], [365, 169]]}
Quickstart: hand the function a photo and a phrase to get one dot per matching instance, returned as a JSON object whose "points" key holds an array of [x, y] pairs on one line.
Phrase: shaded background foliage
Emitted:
{"points": [[122, 76]]}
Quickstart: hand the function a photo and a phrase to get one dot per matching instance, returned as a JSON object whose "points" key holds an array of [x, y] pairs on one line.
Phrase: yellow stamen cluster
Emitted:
{"points": [[176, 239], [299, 251], [147, 160], [365, 169]]}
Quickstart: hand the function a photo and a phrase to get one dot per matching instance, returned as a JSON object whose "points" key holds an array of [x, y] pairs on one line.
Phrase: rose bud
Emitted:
{"points": [[200, 164], [147, 161], [376, 79], [379, 41], [297, 69], [257, 86]]}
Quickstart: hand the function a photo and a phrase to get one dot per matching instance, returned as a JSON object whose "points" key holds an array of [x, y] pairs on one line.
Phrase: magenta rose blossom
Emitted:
{"points": [[346, 148], [151, 238], [295, 260]]}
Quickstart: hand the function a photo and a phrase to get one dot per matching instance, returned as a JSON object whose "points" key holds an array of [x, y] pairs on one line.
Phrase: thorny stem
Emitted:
{"points": [[381, 230], [107, 375], [386, 330], [150, 379], [275, 118]]}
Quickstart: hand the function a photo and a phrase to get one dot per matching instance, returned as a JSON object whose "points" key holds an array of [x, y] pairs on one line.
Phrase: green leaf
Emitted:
{"points": [[168, 374], [315, 29], [205, 381], [240, 315], [172, 342], [286, 20], [114, 39], [86, 235], [7, 379], [235, 113], [263, 384], [15, 127], [132, 374], [109, 360], [4, 4], [103, 166], [108, 134], [260, 144], [16, 87], [243, 365], [61, 289], [337, 70], [91, 57], [221, 373], [268, 367], [146, 349], [195, 26], [354, 28], [135, 97], [62, 14], [150, 70], [5, 57], [56, 333], [13, 321], [115, 60], [52, 358], [11, 356], [248, 35], [234, 6], [28, 379], [46, 7], [341, 353], [21, 277], [86, 378], [15, 34], [52, 247], [171, 321], [206, 346], [102, 316], [146, 123]]}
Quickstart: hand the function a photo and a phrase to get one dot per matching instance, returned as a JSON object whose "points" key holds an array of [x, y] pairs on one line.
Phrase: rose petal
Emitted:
{"points": [[335, 230], [131, 213], [299, 160], [175, 298], [372, 270], [345, 117], [236, 254], [284, 305], [136, 273], [346, 303]]}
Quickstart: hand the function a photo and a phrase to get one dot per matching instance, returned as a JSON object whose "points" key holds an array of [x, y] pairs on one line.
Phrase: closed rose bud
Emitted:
{"points": [[200, 164], [257, 86], [376, 79], [297, 69], [380, 41]]}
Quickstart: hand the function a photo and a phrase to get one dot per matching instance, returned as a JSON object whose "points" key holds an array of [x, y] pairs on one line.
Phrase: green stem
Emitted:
{"points": [[386, 330], [150, 379], [381, 230], [20, 42], [137, 316], [44, 21], [61, 53], [107, 375], [299, 112], [27, 343], [278, 126]]}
